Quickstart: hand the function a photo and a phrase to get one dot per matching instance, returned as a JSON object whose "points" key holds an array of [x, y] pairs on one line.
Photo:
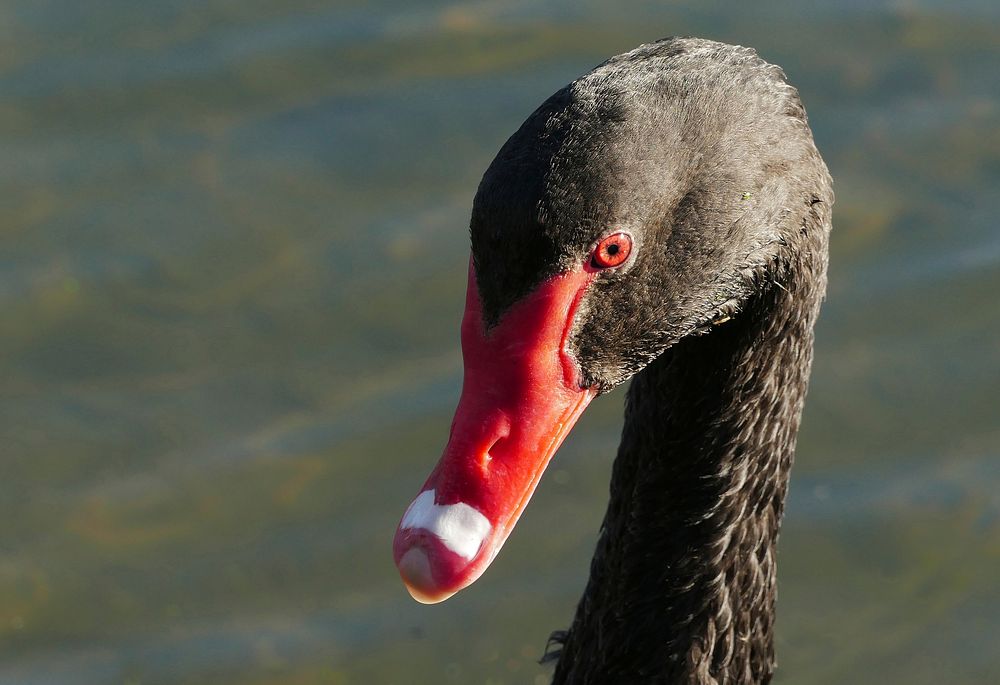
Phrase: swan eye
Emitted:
{"points": [[612, 251]]}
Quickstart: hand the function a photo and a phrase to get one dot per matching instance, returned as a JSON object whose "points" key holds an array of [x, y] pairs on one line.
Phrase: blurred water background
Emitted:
{"points": [[232, 270]]}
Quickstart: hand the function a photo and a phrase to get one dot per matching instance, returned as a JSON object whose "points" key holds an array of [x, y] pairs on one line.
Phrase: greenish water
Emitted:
{"points": [[231, 276]]}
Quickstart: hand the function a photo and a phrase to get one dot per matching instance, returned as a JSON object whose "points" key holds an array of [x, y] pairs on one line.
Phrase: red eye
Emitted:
{"points": [[612, 251]]}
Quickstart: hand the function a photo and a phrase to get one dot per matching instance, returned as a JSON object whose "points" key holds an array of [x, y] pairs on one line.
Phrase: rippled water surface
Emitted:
{"points": [[232, 270]]}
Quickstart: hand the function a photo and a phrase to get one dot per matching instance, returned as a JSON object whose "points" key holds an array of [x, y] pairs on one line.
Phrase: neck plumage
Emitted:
{"points": [[682, 584]]}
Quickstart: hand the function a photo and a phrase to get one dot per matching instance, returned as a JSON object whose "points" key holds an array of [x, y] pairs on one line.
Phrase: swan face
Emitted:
{"points": [[705, 162], [700, 161]]}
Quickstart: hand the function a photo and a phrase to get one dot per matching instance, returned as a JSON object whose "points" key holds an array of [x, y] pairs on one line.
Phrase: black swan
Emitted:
{"points": [[665, 216]]}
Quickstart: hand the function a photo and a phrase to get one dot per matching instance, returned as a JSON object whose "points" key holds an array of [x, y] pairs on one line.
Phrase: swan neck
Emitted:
{"points": [[682, 585]]}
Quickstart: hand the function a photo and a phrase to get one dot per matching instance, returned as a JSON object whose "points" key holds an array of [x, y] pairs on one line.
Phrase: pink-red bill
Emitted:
{"points": [[520, 397]]}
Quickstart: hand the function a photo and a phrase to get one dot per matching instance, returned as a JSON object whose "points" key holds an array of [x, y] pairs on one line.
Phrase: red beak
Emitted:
{"points": [[520, 398]]}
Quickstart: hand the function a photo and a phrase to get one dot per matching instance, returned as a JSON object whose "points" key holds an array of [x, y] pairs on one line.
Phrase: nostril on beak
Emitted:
{"points": [[493, 444], [489, 452]]}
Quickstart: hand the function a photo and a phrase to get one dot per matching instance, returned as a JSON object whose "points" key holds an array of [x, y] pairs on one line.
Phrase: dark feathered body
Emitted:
{"points": [[702, 152]]}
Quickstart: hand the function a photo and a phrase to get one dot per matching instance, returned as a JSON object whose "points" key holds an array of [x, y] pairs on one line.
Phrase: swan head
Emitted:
{"points": [[637, 206]]}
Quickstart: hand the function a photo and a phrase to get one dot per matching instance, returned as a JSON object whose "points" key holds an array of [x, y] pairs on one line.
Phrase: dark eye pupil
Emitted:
{"points": [[613, 249]]}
